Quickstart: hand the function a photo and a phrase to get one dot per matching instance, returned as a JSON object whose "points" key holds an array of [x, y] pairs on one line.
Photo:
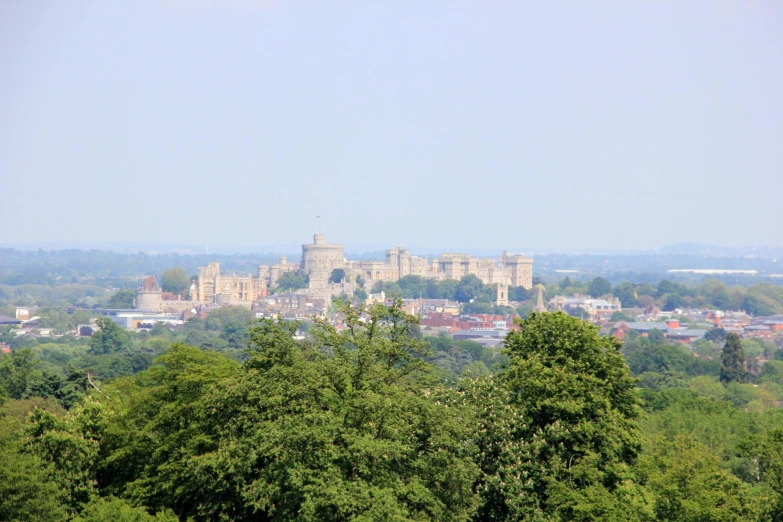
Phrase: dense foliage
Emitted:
{"points": [[376, 422], [175, 280]]}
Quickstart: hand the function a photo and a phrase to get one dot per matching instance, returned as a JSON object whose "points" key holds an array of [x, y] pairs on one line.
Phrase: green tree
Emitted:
{"points": [[758, 305], [235, 333], [17, 372], [337, 276], [598, 287], [175, 280], [390, 288], [733, 361], [665, 287], [290, 281], [518, 293], [119, 510], [763, 458], [122, 299], [52, 385], [716, 294], [165, 400], [469, 288], [72, 445], [716, 335], [689, 485], [707, 386], [620, 316], [446, 289], [578, 408], [109, 339], [673, 301], [510, 480], [413, 286], [28, 492], [341, 428], [218, 319], [360, 294], [476, 369], [772, 372], [626, 293]]}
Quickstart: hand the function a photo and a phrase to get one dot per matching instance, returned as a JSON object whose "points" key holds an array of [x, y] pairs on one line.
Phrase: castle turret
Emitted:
{"points": [[149, 295], [319, 259]]}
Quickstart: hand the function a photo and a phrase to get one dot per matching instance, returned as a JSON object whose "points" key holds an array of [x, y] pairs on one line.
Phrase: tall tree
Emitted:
{"points": [[717, 335], [563, 444], [28, 492], [110, 338], [165, 400], [121, 299], [626, 293], [469, 288], [341, 428], [17, 372], [579, 406], [598, 287], [733, 360], [175, 280]]}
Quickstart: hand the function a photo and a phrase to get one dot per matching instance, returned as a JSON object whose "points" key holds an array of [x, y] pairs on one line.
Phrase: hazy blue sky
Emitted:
{"points": [[526, 125]]}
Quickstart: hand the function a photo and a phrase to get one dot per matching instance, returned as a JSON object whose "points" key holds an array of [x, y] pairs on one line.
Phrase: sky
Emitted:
{"points": [[554, 125]]}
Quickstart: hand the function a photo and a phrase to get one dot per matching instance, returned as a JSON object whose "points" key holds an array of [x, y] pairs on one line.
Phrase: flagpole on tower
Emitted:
{"points": [[319, 223]]}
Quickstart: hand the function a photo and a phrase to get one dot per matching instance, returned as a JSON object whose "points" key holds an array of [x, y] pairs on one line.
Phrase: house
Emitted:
{"points": [[621, 329], [686, 335], [25, 313], [596, 309]]}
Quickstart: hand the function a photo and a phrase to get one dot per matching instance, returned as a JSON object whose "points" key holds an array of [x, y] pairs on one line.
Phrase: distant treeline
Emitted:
{"points": [[758, 299], [50, 267]]}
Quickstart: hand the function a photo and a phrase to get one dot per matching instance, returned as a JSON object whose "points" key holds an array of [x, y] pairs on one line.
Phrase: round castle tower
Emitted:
{"points": [[148, 295], [319, 259]]}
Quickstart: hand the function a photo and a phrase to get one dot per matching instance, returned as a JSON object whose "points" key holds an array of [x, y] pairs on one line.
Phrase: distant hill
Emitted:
{"points": [[698, 249]]}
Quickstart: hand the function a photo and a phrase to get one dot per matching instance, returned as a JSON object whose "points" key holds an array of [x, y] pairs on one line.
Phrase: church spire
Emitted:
{"points": [[540, 307]]}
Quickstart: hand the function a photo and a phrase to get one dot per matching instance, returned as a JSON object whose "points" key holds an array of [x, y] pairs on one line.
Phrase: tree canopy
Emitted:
{"points": [[733, 359], [122, 299], [273, 420], [289, 281], [175, 280], [109, 338], [598, 287]]}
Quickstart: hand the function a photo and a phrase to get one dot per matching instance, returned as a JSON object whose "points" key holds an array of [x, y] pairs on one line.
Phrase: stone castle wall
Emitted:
{"points": [[319, 259], [507, 270]]}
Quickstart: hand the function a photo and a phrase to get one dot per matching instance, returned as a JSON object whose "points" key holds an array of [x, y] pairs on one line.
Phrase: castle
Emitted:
{"points": [[213, 288], [319, 260], [509, 270]]}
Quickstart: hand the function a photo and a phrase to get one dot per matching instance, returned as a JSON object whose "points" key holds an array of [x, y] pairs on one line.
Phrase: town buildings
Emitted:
{"points": [[596, 310]]}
